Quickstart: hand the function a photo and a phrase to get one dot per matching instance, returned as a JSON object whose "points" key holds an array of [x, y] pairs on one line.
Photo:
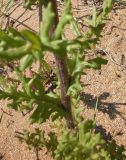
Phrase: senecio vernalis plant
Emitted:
{"points": [[76, 139]]}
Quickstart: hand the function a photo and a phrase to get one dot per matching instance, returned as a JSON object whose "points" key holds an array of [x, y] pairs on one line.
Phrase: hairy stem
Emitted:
{"points": [[63, 73]]}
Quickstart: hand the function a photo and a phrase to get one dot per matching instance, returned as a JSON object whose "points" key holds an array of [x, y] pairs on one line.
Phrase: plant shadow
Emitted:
{"points": [[116, 151], [111, 108]]}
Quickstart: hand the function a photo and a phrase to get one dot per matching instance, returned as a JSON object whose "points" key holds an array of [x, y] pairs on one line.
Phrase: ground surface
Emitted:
{"points": [[108, 86]]}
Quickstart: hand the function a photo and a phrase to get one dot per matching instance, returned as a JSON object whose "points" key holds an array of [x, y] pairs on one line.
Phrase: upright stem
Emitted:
{"points": [[63, 74]]}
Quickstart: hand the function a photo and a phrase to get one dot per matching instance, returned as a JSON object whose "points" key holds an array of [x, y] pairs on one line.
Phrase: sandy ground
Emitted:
{"points": [[108, 85]]}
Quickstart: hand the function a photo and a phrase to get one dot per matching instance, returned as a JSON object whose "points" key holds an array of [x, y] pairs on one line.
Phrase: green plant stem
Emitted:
{"points": [[63, 74]]}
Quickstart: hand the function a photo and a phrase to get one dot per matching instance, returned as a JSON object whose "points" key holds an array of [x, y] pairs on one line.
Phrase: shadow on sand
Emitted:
{"points": [[111, 108]]}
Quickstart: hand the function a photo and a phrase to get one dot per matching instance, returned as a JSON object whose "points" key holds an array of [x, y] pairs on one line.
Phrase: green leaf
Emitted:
{"points": [[94, 18], [47, 23], [15, 33], [33, 38], [44, 110], [96, 63], [28, 4], [65, 19], [25, 62], [10, 40], [14, 45], [15, 53], [75, 27]]}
